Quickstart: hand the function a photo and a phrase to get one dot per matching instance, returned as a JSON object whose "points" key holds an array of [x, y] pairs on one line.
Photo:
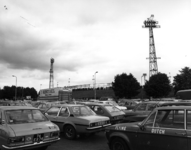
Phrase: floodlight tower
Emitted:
{"points": [[51, 82], [150, 23]]}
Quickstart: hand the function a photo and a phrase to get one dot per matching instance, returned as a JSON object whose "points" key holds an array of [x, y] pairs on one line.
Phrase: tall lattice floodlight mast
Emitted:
{"points": [[51, 82], [150, 23]]}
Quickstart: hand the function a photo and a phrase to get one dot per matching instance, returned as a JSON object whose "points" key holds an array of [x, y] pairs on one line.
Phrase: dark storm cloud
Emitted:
{"points": [[20, 49]]}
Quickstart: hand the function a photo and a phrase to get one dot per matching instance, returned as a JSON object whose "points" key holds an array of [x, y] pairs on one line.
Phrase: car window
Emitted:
{"points": [[141, 107], [81, 111], [150, 107], [64, 112], [98, 110], [150, 120], [53, 111], [40, 106], [188, 118], [170, 119], [24, 116]]}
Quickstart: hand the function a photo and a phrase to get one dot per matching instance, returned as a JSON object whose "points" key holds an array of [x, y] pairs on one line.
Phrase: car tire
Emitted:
{"points": [[118, 144], [69, 132]]}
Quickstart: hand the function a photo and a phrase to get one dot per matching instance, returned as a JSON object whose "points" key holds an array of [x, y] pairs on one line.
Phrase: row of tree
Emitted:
{"points": [[20, 93], [158, 86], [124, 86]]}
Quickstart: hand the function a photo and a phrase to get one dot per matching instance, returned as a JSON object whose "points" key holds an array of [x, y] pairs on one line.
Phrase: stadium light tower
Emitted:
{"points": [[51, 82], [151, 23]]}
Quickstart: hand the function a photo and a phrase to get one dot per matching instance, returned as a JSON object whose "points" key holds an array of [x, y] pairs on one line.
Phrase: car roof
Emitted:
{"points": [[68, 105], [175, 104], [16, 107], [100, 104], [173, 107]]}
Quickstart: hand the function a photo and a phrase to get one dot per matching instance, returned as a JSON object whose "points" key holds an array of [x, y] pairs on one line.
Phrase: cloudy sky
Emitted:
{"points": [[85, 36]]}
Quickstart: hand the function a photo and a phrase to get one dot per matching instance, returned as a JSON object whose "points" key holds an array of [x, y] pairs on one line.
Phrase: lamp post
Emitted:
{"points": [[95, 83], [15, 87]]}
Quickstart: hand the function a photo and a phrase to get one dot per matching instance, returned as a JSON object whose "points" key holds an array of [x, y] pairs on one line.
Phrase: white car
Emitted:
{"points": [[114, 104]]}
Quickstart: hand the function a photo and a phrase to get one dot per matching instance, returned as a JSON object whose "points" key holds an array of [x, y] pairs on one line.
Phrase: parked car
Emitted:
{"points": [[74, 119], [113, 103], [130, 104], [24, 127], [141, 111], [164, 128], [106, 99], [44, 106], [116, 115]]}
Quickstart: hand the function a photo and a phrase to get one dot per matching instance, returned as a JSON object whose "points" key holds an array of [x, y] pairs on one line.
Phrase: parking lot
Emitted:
{"points": [[93, 142]]}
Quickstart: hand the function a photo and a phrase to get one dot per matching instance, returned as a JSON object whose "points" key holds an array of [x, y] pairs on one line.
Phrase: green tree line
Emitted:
{"points": [[21, 93]]}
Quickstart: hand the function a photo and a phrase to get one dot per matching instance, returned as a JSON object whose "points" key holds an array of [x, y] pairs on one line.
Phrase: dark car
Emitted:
{"points": [[166, 128], [116, 115], [141, 111]]}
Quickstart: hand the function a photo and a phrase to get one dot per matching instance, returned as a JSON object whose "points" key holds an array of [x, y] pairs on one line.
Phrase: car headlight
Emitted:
{"points": [[16, 141]]}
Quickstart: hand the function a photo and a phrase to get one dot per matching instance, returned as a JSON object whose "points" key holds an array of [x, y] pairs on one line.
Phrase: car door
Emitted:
{"points": [[52, 114], [62, 117], [167, 132]]}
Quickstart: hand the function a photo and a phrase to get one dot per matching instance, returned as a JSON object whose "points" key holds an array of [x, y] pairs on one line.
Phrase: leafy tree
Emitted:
{"points": [[125, 86], [182, 81], [158, 86], [9, 92]]}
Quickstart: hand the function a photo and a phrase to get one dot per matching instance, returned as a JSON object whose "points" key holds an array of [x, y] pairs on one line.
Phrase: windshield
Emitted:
{"points": [[82, 111], [113, 103], [112, 109], [24, 116]]}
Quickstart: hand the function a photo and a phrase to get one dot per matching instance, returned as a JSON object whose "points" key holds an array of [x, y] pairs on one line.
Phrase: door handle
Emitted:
{"points": [[178, 133]]}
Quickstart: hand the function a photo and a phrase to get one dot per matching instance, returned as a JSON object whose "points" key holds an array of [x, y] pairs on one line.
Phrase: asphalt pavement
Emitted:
{"points": [[91, 142]]}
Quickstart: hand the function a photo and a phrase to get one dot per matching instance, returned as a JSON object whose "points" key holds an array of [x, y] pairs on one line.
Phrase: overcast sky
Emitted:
{"points": [[85, 36]]}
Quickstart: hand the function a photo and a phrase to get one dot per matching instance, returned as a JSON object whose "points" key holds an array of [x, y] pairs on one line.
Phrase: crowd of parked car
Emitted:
{"points": [[34, 124]]}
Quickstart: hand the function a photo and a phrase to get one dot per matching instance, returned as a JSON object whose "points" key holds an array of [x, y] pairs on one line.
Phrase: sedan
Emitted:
{"points": [[76, 120], [23, 127]]}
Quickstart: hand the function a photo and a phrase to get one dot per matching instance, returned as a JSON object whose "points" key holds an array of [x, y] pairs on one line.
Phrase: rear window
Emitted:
{"points": [[24, 116]]}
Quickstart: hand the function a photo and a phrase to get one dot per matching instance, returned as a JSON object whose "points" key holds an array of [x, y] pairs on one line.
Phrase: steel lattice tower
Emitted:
{"points": [[51, 82], [150, 23]]}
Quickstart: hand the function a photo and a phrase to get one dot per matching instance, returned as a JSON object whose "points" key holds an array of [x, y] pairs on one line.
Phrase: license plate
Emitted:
{"points": [[38, 138], [101, 123]]}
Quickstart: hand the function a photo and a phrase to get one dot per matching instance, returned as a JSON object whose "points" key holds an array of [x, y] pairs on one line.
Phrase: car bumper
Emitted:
{"points": [[31, 146]]}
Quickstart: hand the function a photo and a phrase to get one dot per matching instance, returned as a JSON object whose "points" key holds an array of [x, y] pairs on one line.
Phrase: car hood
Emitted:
{"points": [[95, 118], [33, 128]]}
